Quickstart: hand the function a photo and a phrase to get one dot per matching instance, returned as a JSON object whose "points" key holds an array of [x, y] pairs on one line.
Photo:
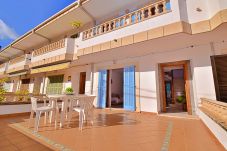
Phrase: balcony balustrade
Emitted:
{"points": [[51, 47], [19, 64], [137, 16], [58, 51], [3, 68], [215, 110]]}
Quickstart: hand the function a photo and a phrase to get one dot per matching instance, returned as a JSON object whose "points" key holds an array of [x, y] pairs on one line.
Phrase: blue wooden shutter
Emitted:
{"points": [[102, 88], [129, 88]]}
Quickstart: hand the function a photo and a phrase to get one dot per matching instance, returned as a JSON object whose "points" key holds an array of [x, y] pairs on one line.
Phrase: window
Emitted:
{"points": [[219, 66], [55, 84], [25, 81], [82, 83]]}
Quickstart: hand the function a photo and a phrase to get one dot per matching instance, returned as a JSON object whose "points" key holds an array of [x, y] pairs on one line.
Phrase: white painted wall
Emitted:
{"points": [[209, 9], [13, 109], [201, 76], [74, 72]]}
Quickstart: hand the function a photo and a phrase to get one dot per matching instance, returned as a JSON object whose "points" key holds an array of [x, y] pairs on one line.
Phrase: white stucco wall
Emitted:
{"points": [[14, 109], [201, 74], [209, 9]]}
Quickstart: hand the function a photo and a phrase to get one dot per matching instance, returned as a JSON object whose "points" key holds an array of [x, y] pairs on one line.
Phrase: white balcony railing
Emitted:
{"points": [[152, 10], [57, 51], [19, 63], [3, 68]]}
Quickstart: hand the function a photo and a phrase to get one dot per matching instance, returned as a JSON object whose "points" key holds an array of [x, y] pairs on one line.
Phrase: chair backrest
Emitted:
{"points": [[86, 102], [34, 103]]}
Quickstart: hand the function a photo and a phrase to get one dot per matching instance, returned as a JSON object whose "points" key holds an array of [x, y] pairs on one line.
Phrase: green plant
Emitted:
{"points": [[2, 94], [181, 99], [69, 90], [22, 94], [2, 90]]}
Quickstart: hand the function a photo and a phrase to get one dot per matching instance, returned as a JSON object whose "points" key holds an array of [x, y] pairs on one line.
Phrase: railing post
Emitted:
{"points": [[142, 14], [156, 9]]}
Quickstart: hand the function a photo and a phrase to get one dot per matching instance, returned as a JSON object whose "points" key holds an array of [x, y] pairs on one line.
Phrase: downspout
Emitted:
{"points": [[92, 78], [44, 83]]}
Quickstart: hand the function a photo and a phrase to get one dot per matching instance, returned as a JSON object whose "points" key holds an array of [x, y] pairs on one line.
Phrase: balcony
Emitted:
{"points": [[140, 15], [19, 64], [56, 52], [3, 68]]}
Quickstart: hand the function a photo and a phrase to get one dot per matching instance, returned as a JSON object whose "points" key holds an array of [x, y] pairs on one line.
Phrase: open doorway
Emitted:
{"points": [[115, 82], [82, 83], [175, 91]]}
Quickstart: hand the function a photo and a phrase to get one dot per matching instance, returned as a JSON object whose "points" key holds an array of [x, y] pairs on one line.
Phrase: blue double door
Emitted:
{"points": [[128, 88]]}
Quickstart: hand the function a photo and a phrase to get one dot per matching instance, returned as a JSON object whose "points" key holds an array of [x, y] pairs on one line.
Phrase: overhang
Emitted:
{"points": [[50, 68], [61, 23], [50, 29]]}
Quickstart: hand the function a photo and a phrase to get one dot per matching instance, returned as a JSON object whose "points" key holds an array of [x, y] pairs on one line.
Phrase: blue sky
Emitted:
{"points": [[19, 16]]}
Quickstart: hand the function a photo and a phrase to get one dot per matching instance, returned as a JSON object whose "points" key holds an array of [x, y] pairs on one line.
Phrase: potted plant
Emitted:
{"points": [[2, 94], [69, 91], [182, 99], [22, 95], [2, 89]]}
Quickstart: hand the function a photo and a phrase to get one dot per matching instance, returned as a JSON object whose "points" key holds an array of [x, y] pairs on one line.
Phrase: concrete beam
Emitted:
{"points": [[7, 58], [86, 12], [41, 36], [17, 48]]}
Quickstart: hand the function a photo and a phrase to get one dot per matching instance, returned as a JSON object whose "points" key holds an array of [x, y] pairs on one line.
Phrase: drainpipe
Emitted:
{"points": [[44, 83], [92, 78]]}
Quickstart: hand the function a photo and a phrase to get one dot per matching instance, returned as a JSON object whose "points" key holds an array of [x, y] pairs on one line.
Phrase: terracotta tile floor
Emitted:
{"points": [[121, 131], [12, 140]]}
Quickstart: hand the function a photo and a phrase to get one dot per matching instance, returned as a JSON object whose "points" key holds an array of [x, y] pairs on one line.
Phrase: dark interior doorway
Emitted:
{"points": [[115, 82], [175, 87], [82, 83]]}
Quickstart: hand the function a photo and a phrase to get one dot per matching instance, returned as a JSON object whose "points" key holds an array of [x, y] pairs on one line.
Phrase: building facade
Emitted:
{"points": [[146, 56]]}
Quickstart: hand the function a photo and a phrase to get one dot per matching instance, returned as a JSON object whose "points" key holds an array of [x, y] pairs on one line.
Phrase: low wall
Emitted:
{"points": [[216, 129], [15, 108]]}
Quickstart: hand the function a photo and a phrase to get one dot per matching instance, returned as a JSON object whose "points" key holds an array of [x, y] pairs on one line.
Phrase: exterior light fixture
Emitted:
{"points": [[115, 40], [199, 9], [76, 24]]}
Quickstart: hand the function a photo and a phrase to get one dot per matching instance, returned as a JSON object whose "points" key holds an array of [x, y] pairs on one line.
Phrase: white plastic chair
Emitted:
{"points": [[39, 111], [85, 109]]}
